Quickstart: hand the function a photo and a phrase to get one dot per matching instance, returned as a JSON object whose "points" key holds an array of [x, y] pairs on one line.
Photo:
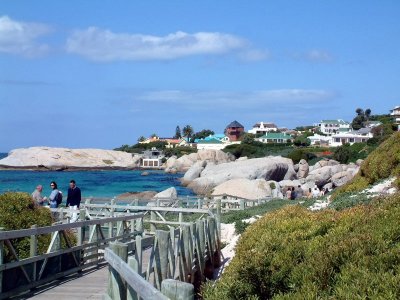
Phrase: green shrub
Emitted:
{"points": [[18, 211], [294, 253], [382, 163]]}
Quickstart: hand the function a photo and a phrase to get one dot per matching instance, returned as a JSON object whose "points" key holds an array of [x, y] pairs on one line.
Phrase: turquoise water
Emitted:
{"points": [[92, 183]]}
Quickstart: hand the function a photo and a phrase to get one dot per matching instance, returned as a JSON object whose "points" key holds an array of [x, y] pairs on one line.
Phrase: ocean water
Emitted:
{"points": [[92, 183]]}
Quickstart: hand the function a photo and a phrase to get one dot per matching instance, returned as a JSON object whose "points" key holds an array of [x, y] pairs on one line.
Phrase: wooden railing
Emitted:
{"points": [[63, 256], [180, 260], [193, 241]]}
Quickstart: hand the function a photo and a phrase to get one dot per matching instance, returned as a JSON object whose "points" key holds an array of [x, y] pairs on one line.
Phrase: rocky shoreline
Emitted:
{"points": [[206, 172]]}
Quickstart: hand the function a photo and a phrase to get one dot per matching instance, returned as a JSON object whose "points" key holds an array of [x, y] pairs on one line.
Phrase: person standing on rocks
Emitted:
{"points": [[299, 192], [293, 194], [73, 199], [37, 195]]}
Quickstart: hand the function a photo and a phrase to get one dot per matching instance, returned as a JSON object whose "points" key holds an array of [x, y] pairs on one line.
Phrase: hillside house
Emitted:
{"points": [[395, 114], [357, 136], [152, 158], [262, 128], [275, 137], [234, 130], [331, 127]]}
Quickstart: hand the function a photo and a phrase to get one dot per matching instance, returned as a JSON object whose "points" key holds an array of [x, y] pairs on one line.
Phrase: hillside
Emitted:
{"points": [[294, 253], [382, 163]]}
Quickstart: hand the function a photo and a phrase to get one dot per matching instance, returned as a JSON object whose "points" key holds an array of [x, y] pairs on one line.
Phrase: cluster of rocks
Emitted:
{"points": [[196, 160], [48, 158], [259, 177]]}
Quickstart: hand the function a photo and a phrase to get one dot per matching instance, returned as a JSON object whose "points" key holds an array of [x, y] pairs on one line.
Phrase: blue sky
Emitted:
{"points": [[101, 73]]}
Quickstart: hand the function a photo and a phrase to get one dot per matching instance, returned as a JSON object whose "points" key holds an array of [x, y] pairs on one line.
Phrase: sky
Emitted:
{"points": [[99, 74]]}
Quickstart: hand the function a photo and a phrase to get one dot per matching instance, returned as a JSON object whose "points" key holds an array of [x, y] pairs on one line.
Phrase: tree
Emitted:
{"points": [[359, 111], [141, 139], [178, 133], [342, 154], [154, 135], [202, 134], [248, 138], [362, 116], [302, 140], [187, 131], [367, 113]]}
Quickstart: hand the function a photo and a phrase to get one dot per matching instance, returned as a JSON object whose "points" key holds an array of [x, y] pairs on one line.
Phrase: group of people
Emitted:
{"points": [[55, 199], [296, 193]]}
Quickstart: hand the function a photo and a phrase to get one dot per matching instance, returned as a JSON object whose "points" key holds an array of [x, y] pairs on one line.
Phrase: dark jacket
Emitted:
{"points": [[74, 197]]}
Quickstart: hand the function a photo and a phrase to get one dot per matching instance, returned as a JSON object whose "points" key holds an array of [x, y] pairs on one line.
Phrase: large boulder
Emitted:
{"points": [[64, 158], [194, 172], [185, 162], [303, 169], [244, 188], [322, 176], [324, 163], [269, 168], [169, 193], [343, 177]]}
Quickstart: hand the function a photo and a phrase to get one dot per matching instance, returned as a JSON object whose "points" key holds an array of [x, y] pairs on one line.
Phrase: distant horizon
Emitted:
{"points": [[78, 74]]}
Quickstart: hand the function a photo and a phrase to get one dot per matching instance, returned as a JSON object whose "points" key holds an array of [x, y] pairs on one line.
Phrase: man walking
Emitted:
{"points": [[73, 199]]}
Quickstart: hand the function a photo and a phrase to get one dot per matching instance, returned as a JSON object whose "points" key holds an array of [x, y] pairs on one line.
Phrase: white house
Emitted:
{"points": [[331, 127], [321, 140], [152, 158], [395, 113], [275, 137], [358, 136], [263, 127]]}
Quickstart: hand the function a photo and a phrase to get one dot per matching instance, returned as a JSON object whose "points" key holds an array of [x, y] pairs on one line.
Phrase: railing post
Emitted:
{"points": [[199, 204], [242, 204], [180, 217], [158, 202], [153, 217], [139, 224], [131, 294], [33, 252], [218, 216], [176, 290], [81, 230], [1, 261], [116, 285], [111, 224]]}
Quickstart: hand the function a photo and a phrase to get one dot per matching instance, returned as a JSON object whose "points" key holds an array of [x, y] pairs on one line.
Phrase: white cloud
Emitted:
{"points": [[21, 37], [104, 45], [254, 55], [319, 55], [248, 100]]}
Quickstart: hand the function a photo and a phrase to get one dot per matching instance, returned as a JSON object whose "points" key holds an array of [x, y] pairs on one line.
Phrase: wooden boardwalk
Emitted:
{"points": [[90, 284]]}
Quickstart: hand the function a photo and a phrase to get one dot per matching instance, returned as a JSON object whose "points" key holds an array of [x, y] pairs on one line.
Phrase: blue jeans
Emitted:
{"points": [[53, 204]]}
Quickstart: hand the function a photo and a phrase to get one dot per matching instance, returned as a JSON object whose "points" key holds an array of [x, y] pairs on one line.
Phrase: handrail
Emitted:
{"points": [[137, 282], [14, 234]]}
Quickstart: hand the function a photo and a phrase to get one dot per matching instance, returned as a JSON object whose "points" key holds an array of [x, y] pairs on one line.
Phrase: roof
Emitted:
{"points": [[338, 121], [265, 124], [344, 129], [210, 141], [235, 124], [276, 135]]}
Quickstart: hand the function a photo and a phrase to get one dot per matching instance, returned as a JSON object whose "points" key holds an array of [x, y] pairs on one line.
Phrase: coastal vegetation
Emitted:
{"points": [[382, 163], [18, 211], [293, 253]]}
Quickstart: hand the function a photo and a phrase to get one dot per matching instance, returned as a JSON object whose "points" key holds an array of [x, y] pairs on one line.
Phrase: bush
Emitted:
{"points": [[382, 163], [294, 253], [18, 211]]}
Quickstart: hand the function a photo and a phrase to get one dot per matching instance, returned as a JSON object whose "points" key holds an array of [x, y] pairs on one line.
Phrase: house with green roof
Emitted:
{"points": [[275, 138], [330, 127]]}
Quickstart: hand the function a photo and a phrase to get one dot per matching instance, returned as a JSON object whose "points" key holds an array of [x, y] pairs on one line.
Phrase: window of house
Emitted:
{"points": [[351, 140]]}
